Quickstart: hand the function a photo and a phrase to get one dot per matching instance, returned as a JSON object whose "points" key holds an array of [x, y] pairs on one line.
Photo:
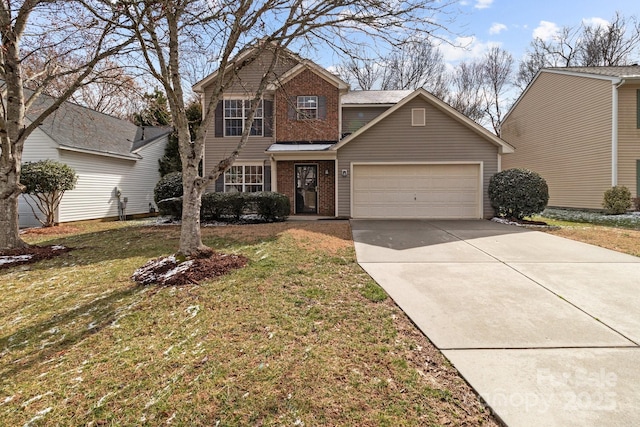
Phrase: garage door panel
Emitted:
{"points": [[416, 191]]}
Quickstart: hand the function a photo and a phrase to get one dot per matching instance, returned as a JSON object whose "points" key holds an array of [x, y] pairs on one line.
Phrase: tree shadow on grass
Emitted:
{"points": [[52, 337]]}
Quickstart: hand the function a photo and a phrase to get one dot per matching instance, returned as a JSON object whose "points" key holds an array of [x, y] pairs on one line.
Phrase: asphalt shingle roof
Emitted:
{"points": [[621, 71], [78, 127], [383, 97]]}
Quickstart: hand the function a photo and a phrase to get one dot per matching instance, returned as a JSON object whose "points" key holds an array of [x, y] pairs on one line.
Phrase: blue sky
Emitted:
{"points": [[512, 24]]}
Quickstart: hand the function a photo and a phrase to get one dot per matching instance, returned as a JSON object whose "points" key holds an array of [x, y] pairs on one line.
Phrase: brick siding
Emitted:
{"points": [[326, 184], [310, 84]]}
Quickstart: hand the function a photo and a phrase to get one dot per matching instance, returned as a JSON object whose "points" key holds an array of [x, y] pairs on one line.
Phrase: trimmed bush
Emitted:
{"points": [[518, 193], [231, 206], [45, 183], [617, 200], [168, 187], [171, 206], [271, 206]]}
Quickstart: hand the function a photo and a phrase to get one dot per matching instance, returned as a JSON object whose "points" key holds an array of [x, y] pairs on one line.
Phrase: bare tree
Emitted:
{"points": [[466, 91], [69, 31], [167, 30], [497, 72], [360, 71], [586, 45], [611, 45], [109, 89], [416, 64]]}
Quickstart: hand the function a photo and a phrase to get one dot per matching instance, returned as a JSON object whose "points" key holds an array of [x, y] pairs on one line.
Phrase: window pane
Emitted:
{"points": [[256, 127], [307, 107], [253, 188], [233, 127]]}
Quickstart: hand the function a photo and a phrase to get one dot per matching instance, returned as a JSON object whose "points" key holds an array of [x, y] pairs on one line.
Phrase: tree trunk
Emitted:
{"points": [[191, 244], [9, 231]]}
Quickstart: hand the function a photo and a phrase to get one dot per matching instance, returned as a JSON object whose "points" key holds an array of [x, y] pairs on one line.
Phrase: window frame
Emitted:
{"points": [[303, 106], [256, 130], [248, 177]]}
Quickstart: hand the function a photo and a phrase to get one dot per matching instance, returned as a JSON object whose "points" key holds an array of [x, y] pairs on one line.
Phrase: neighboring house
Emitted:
{"points": [[365, 154], [579, 128], [106, 153]]}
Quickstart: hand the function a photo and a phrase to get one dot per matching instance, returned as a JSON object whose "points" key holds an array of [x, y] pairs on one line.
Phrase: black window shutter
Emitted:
{"points": [[322, 107], [293, 102], [219, 121], [268, 117]]}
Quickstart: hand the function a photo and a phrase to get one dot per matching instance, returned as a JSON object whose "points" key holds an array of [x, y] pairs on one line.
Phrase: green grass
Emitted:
{"points": [[301, 336]]}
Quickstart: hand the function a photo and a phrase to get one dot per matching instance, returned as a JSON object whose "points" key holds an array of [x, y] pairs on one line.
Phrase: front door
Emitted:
{"points": [[307, 189]]}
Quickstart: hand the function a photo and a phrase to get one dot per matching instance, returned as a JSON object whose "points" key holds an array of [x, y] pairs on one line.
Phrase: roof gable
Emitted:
{"points": [[314, 68], [616, 75], [503, 146]]}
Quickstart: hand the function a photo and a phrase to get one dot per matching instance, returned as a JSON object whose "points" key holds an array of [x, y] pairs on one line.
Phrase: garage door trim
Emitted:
{"points": [[480, 165]]}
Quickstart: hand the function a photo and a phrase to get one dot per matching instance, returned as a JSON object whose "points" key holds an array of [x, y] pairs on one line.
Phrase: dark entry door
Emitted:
{"points": [[307, 189]]}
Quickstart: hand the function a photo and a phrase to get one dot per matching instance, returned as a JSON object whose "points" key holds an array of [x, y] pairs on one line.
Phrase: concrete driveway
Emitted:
{"points": [[545, 329]]}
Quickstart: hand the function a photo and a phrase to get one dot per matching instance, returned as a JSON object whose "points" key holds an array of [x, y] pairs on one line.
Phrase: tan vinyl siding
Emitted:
{"points": [[248, 79], [443, 139], [628, 137], [561, 129], [353, 118]]}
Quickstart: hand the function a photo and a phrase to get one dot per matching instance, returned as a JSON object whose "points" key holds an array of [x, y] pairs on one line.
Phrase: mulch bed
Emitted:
{"points": [[168, 271], [29, 255]]}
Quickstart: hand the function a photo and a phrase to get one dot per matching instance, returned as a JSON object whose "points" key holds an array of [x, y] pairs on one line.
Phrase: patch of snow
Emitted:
{"points": [[39, 415], [102, 399], [92, 325], [15, 258], [193, 310], [58, 247], [8, 399], [36, 398]]}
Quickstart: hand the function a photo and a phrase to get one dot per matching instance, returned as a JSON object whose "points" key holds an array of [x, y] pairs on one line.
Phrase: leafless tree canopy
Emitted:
{"points": [[66, 41], [587, 45], [170, 30]]}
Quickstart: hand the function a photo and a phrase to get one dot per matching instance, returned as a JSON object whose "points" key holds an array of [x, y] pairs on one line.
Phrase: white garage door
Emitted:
{"points": [[416, 191]]}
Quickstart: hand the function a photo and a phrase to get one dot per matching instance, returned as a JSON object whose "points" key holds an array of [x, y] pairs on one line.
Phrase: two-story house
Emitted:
{"points": [[579, 128], [359, 154]]}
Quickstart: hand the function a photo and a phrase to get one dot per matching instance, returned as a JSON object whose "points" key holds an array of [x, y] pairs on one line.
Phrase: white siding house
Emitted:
{"points": [[106, 153]]}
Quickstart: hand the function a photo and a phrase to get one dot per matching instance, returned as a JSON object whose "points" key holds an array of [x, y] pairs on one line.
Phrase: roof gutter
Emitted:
{"points": [[614, 130]]}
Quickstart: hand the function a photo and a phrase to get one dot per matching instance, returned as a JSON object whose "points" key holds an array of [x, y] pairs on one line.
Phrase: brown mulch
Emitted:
{"points": [[37, 253], [58, 229], [168, 271]]}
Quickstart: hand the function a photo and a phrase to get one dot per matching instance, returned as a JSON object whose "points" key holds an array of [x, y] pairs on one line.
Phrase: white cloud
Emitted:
{"points": [[546, 30], [497, 28], [483, 4], [596, 22], [464, 48]]}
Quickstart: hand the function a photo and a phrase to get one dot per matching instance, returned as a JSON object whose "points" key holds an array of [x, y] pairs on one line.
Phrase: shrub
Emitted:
{"points": [[617, 199], [518, 193], [231, 206], [45, 182], [171, 206], [168, 187], [271, 206]]}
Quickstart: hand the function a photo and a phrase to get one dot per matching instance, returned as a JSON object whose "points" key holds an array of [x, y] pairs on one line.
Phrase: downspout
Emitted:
{"points": [[614, 131], [274, 174]]}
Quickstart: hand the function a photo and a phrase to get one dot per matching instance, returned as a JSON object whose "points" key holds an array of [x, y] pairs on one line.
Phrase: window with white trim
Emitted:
{"points": [[236, 112], [244, 178], [307, 107]]}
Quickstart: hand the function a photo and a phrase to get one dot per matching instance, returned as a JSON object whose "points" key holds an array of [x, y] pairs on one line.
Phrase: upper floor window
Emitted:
{"points": [[236, 112], [244, 178], [307, 107]]}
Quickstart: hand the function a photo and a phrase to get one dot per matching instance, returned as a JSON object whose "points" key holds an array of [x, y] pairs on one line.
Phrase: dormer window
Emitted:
{"points": [[307, 107]]}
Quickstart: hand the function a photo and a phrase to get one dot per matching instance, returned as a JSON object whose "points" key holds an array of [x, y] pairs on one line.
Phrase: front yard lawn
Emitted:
{"points": [[300, 337], [618, 238]]}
